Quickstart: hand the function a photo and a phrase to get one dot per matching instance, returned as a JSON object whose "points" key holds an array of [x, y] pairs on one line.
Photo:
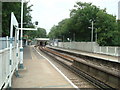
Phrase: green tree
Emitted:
{"points": [[40, 33], [81, 17], [117, 34], [107, 27], [7, 8], [59, 31]]}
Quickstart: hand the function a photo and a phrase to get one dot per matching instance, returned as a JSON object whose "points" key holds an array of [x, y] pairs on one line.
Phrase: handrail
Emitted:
{"points": [[5, 73]]}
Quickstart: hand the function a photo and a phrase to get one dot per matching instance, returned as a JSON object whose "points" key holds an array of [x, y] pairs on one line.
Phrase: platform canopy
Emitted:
{"points": [[42, 39]]}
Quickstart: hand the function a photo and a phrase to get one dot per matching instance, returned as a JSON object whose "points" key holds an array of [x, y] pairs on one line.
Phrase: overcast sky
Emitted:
{"points": [[50, 12]]}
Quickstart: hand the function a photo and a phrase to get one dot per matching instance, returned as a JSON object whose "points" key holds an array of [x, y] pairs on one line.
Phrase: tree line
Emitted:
{"points": [[106, 29], [7, 8]]}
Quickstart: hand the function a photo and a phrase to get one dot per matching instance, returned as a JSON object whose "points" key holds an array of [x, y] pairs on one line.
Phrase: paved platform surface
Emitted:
{"points": [[96, 55], [39, 73]]}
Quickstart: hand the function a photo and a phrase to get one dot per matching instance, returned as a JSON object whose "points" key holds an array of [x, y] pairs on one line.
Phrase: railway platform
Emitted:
{"points": [[39, 73], [94, 55]]}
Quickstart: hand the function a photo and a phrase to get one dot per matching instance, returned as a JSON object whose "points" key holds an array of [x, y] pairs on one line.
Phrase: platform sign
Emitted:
{"points": [[14, 20]]}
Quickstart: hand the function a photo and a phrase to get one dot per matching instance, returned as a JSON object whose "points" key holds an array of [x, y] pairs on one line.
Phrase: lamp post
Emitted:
{"points": [[91, 32], [21, 37], [91, 35], [74, 37], [96, 36]]}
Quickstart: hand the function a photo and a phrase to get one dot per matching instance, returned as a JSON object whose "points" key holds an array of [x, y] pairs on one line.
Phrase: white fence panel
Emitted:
{"points": [[118, 51], [14, 58], [3, 43], [111, 50], [103, 50], [4, 64], [91, 47]]}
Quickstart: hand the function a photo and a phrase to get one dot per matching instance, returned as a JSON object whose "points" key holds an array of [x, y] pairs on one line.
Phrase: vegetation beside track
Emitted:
{"points": [[78, 26]]}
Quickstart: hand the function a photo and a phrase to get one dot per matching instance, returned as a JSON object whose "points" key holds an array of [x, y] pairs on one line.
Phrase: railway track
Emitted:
{"points": [[68, 62]]}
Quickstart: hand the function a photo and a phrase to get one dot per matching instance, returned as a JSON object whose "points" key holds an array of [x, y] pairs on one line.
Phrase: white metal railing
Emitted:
{"points": [[5, 73], [9, 57], [4, 41], [113, 51], [4, 66]]}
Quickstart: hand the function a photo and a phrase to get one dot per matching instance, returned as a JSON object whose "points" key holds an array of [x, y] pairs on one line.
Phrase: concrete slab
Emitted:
{"points": [[39, 73]]}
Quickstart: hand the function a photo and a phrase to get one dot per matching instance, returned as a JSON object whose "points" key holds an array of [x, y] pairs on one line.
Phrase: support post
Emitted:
{"points": [[96, 37], [15, 24], [92, 37], [11, 40], [26, 42], [92, 33], [21, 47], [17, 55], [74, 37]]}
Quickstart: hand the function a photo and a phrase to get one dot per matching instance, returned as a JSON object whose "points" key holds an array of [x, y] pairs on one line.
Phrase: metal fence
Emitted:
{"points": [[91, 47], [4, 41], [108, 50], [7, 66]]}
